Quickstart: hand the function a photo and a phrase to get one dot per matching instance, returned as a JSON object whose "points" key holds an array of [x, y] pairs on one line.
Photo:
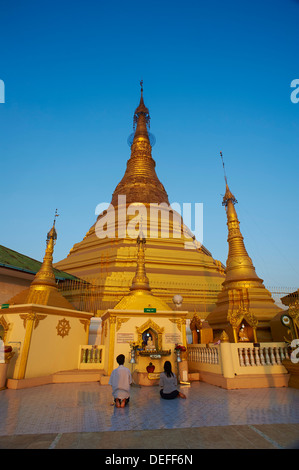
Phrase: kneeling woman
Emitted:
{"points": [[168, 383]]}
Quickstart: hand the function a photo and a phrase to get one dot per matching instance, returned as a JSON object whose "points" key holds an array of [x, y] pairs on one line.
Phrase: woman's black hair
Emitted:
{"points": [[167, 368]]}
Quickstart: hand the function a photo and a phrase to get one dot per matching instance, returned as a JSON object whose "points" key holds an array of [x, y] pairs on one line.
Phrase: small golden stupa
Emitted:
{"points": [[140, 295], [43, 289], [244, 306]]}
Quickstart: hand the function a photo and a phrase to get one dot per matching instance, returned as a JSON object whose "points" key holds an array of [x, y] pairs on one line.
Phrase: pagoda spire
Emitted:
{"points": [[140, 182], [239, 265], [141, 125], [140, 280], [243, 302], [43, 289], [45, 276]]}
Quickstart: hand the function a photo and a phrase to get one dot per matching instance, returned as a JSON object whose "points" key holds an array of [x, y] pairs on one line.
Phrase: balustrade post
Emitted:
{"points": [[282, 356], [257, 358], [88, 356], [252, 363], [209, 356], [276, 351], [241, 360], [247, 363], [272, 357], [267, 356], [262, 357]]}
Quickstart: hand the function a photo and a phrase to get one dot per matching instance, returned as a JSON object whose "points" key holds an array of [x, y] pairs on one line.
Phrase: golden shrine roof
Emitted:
{"points": [[139, 300], [50, 297]]}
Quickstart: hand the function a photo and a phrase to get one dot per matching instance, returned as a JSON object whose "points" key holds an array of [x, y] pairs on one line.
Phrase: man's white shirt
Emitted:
{"points": [[120, 380]]}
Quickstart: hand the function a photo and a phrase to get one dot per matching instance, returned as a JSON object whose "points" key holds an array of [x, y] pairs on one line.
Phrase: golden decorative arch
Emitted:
{"points": [[150, 324], [195, 323], [120, 321], [294, 312], [85, 323], [239, 311], [178, 322], [35, 317]]}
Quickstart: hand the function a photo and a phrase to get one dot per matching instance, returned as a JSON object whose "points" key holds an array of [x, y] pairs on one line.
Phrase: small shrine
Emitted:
{"points": [[145, 329], [202, 333]]}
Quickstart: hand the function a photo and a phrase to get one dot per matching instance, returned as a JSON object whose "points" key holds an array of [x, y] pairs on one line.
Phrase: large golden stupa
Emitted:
{"points": [[108, 264]]}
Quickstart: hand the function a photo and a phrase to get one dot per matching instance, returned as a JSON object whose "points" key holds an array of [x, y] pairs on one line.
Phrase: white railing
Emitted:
{"points": [[203, 354], [235, 359], [91, 357], [262, 355]]}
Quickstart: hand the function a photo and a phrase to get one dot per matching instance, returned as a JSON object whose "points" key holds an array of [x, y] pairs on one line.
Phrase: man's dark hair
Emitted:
{"points": [[120, 359]]}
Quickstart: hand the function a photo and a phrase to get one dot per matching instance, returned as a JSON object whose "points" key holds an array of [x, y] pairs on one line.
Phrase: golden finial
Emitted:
{"points": [[141, 110], [223, 167], [228, 194], [224, 338], [52, 233], [55, 217]]}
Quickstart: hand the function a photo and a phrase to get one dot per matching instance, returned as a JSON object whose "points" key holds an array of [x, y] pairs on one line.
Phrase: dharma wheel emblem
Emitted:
{"points": [[63, 328]]}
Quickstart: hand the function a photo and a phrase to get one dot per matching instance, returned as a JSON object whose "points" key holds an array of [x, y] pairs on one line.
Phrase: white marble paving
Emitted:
{"points": [[86, 407]]}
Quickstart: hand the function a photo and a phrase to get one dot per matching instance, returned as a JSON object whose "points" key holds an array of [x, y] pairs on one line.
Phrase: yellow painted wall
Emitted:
{"points": [[51, 353], [47, 352]]}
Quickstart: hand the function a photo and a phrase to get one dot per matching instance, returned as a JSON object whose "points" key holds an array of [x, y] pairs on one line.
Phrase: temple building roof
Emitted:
{"points": [[13, 260]]}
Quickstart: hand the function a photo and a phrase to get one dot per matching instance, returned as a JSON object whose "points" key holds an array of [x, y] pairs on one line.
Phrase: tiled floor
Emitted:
{"points": [[82, 414]]}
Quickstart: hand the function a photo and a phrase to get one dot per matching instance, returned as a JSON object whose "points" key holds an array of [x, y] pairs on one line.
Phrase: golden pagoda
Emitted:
{"points": [[244, 306], [108, 263]]}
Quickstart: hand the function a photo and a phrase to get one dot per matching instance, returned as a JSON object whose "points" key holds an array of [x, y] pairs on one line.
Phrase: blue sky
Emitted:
{"points": [[216, 77]]}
